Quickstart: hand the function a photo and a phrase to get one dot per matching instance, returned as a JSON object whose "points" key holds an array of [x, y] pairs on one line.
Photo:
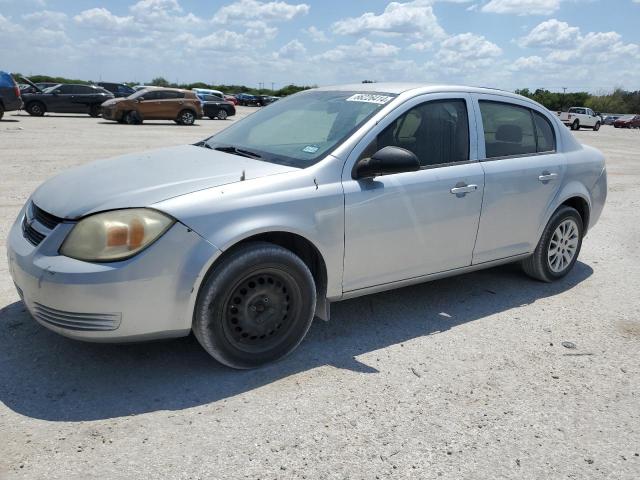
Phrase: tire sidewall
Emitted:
{"points": [[560, 216], [39, 105], [182, 114], [208, 324]]}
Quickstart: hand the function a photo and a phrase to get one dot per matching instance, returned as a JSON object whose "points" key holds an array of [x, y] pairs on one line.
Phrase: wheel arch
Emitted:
{"points": [[299, 245]]}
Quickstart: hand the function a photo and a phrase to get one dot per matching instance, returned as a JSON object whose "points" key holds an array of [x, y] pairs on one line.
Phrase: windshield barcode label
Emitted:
{"points": [[369, 98]]}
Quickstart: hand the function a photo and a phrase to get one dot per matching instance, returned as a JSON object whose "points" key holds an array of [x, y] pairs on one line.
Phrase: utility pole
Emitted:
{"points": [[564, 94]]}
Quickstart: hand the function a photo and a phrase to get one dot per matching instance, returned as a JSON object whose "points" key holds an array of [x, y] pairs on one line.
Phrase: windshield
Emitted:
{"points": [[301, 129], [50, 89]]}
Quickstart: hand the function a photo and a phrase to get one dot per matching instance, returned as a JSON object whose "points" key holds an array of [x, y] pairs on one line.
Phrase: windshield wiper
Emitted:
{"points": [[238, 151]]}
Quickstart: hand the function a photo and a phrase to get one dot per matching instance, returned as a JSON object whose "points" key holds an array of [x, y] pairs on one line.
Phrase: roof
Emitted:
{"points": [[400, 87]]}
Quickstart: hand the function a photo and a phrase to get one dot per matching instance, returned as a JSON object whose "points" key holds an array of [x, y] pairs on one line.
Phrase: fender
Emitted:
{"points": [[572, 189]]}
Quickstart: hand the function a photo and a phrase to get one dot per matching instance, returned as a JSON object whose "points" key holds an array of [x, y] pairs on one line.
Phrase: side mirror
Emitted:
{"points": [[140, 99], [385, 161]]}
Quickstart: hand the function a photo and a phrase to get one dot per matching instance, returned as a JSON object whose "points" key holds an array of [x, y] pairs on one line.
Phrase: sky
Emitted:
{"points": [[591, 45]]}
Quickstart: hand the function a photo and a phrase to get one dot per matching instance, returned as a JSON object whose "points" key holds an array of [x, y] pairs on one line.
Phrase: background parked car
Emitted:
{"points": [[66, 98], [214, 107], [627, 121], [26, 88], [208, 91], [246, 99], [117, 89], [231, 98], [9, 94], [609, 119], [181, 106]]}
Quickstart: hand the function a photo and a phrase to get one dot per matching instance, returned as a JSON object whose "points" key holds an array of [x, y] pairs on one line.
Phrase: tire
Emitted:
{"points": [[596, 127], [255, 306], [1, 111], [222, 114], [132, 118], [546, 266], [94, 111], [186, 117], [36, 109], [575, 125]]}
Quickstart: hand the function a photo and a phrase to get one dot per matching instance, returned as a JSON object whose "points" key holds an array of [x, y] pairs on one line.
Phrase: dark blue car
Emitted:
{"points": [[9, 94]]}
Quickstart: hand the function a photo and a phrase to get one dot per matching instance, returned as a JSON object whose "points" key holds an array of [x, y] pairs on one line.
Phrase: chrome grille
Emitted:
{"points": [[77, 320]]}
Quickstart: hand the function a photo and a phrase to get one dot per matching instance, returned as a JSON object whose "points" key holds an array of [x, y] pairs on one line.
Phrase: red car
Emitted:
{"points": [[231, 98], [628, 121]]}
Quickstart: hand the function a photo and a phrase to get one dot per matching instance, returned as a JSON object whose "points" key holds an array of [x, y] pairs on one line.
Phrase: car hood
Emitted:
{"points": [[142, 179], [113, 101]]}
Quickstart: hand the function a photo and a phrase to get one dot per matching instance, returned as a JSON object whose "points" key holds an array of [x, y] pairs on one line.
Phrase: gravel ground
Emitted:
{"points": [[463, 378]]}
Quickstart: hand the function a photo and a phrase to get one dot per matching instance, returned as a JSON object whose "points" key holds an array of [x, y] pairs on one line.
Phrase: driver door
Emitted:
{"points": [[411, 224]]}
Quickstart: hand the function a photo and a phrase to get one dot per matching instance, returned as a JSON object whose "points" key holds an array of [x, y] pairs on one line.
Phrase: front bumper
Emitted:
{"points": [[148, 296]]}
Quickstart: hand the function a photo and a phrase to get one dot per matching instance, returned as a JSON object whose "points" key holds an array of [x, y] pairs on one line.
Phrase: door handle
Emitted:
{"points": [[547, 177], [462, 189]]}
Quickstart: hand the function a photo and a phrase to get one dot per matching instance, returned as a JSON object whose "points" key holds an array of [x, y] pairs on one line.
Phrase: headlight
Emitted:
{"points": [[115, 235]]}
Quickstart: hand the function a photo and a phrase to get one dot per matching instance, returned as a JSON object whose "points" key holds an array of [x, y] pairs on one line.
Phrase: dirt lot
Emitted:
{"points": [[464, 378]]}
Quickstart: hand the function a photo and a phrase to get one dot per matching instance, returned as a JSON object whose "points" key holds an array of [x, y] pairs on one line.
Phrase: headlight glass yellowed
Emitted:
{"points": [[115, 235]]}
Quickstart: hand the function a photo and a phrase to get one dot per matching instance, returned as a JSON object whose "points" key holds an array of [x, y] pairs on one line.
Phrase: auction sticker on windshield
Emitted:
{"points": [[369, 98]]}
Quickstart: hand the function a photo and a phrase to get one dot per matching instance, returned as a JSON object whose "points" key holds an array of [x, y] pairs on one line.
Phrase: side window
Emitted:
{"points": [[545, 137], [150, 96], [437, 132], [508, 129], [83, 90], [65, 89]]}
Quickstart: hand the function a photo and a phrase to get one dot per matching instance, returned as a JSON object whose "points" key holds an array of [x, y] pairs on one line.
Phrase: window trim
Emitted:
{"points": [[535, 129]]}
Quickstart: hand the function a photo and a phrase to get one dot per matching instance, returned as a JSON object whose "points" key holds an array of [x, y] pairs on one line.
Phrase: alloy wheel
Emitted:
{"points": [[563, 246]]}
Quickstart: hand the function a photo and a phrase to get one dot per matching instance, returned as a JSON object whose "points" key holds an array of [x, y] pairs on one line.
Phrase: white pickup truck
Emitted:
{"points": [[581, 117]]}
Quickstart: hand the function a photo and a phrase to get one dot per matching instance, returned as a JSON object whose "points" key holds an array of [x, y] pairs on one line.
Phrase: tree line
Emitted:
{"points": [[619, 101]]}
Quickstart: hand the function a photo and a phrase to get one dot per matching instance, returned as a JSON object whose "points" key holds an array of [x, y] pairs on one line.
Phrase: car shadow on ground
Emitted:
{"points": [[150, 123], [46, 376]]}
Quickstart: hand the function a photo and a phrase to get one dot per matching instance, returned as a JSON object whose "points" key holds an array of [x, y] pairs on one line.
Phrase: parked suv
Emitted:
{"points": [[181, 106], [9, 94], [118, 89], [65, 98]]}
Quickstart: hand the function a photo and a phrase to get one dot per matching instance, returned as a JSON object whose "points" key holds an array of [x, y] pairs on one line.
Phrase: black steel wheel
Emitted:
{"points": [[255, 306]]}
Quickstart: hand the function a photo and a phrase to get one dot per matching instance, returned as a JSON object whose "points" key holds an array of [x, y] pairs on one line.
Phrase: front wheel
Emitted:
{"points": [[575, 125], [596, 127], [255, 306], [36, 109], [132, 118], [559, 246], [222, 114], [94, 111]]}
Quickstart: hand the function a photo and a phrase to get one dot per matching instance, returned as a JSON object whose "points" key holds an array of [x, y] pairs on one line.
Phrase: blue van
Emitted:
{"points": [[9, 94]]}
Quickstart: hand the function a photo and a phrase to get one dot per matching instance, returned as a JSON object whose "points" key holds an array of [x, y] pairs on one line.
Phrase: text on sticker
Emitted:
{"points": [[369, 98]]}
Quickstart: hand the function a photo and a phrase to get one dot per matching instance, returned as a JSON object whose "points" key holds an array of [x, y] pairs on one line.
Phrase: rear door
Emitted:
{"points": [[523, 173]]}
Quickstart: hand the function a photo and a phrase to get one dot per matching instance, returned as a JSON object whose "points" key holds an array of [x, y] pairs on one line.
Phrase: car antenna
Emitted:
{"points": [[243, 177]]}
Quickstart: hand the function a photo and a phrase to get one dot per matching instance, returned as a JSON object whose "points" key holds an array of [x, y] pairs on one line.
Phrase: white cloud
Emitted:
{"points": [[467, 51], [254, 9], [551, 33], [218, 41], [363, 51], [292, 50], [316, 34], [103, 19], [522, 7], [415, 18], [46, 18]]}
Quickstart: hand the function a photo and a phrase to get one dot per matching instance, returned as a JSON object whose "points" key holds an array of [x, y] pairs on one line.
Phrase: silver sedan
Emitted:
{"points": [[329, 194]]}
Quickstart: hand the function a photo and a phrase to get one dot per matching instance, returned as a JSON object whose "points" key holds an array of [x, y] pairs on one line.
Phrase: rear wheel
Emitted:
{"points": [[36, 109], [1, 112], [596, 127], [222, 114], [255, 306], [186, 117], [575, 125], [559, 246], [94, 111]]}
